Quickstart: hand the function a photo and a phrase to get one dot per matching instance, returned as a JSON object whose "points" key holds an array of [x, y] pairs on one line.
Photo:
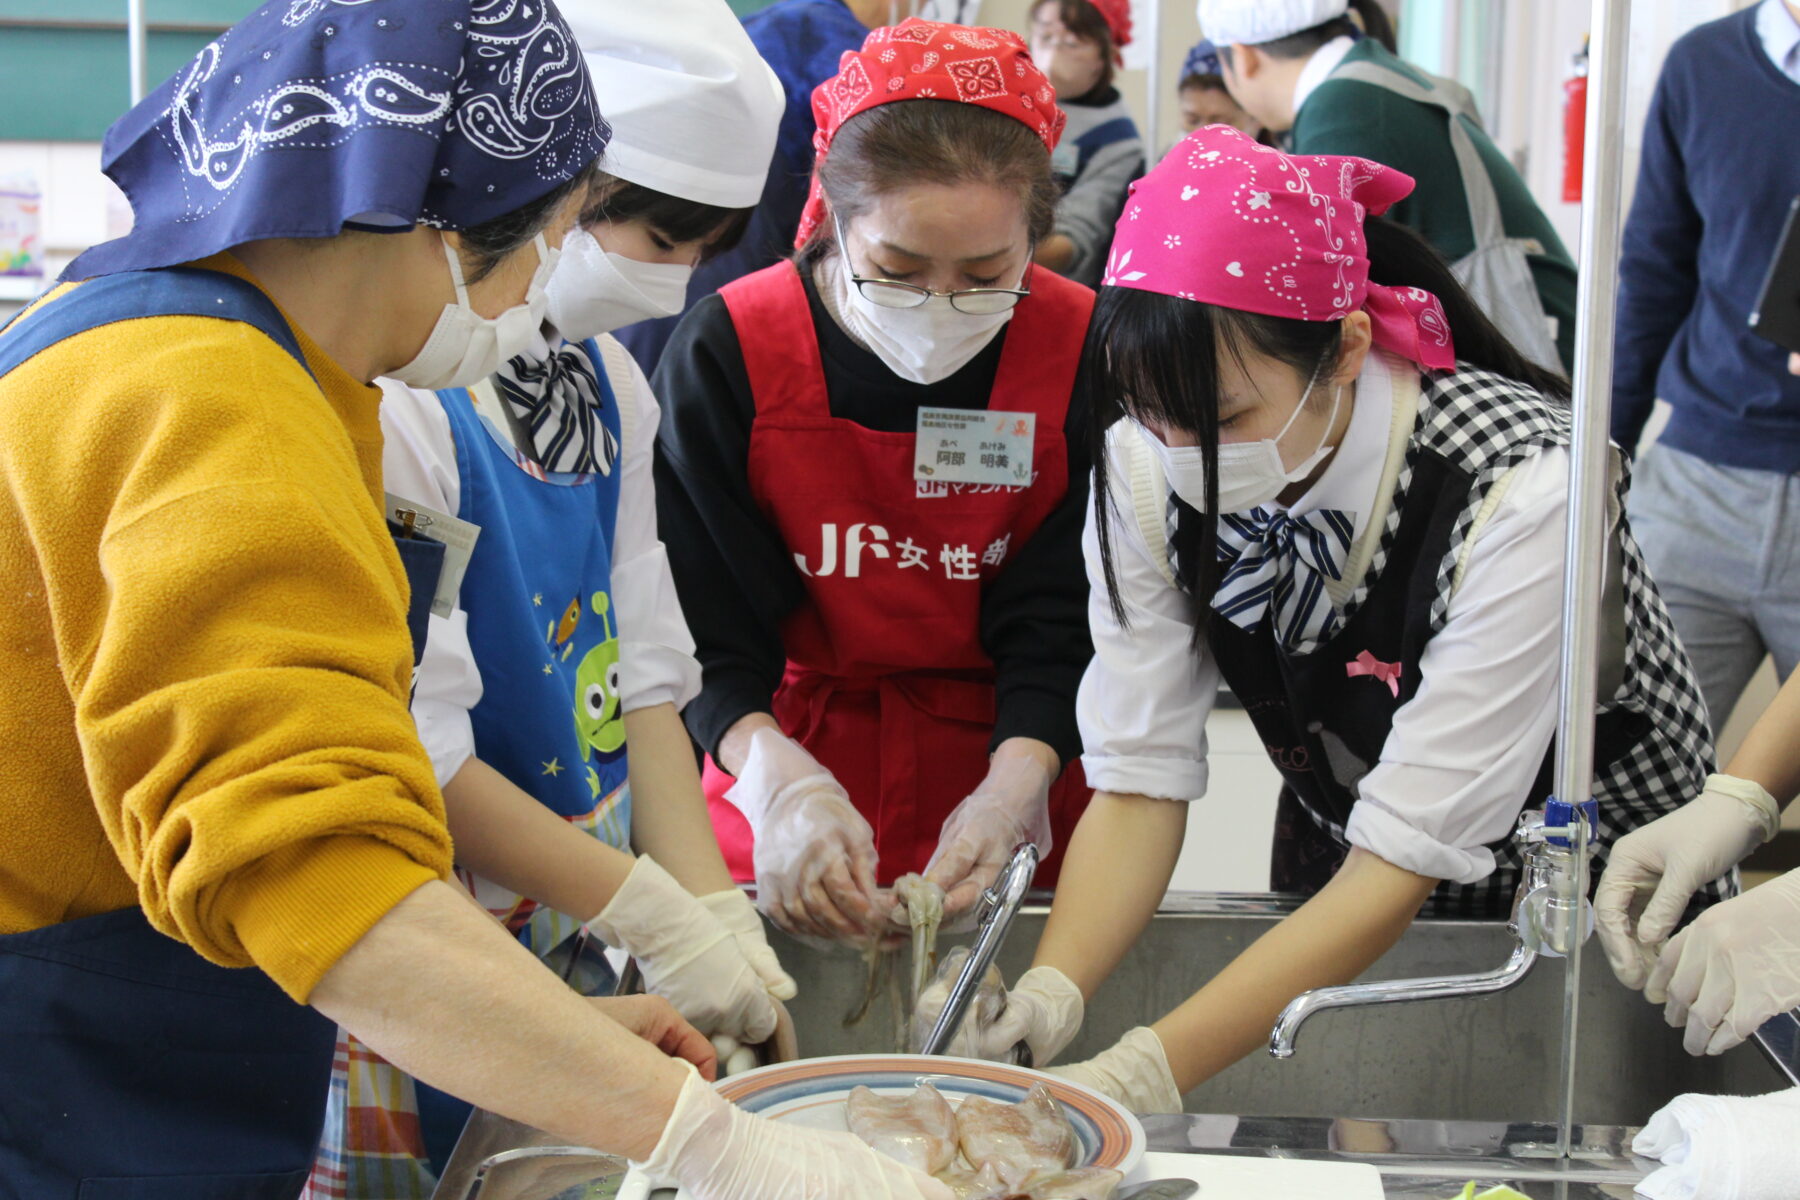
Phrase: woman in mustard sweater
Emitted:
{"points": [[205, 636]]}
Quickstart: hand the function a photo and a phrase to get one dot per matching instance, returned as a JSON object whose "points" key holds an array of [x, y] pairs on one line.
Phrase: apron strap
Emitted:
{"points": [[1042, 354], [775, 332], [166, 292]]}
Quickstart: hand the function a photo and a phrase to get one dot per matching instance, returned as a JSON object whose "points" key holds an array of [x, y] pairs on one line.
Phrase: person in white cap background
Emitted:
{"points": [[549, 692], [1302, 68]]}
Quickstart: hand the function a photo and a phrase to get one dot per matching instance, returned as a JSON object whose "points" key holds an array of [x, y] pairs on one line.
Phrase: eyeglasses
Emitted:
{"points": [[974, 302], [1053, 41]]}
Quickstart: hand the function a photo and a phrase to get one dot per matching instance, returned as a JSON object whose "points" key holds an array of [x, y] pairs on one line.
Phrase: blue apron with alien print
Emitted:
{"points": [[538, 593]]}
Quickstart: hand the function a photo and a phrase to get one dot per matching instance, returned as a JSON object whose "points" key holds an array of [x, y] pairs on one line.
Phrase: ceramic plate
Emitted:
{"points": [[812, 1093]]}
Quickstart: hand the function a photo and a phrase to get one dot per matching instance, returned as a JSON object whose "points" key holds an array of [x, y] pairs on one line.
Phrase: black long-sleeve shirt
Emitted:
{"points": [[738, 580]]}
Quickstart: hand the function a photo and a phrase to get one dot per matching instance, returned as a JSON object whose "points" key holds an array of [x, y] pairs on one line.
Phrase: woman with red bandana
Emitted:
{"points": [[871, 479], [1329, 482], [1077, 43]]}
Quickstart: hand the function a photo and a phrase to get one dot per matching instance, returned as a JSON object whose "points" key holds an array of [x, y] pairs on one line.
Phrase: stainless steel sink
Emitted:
{"points": [[1483, 1059], [1442, 1092]]}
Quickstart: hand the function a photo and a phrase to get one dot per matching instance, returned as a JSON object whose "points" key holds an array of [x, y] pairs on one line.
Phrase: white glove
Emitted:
{"points": [[1043, 1010], [688, 956], [815, 854], [737, 914], [1733, 968], [1654, 871], [714, 1150], [1135, 1072], [1012, 805]]}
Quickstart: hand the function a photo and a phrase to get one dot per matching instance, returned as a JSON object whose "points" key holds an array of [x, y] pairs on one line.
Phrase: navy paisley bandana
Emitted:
{"points": [[310, 115]]}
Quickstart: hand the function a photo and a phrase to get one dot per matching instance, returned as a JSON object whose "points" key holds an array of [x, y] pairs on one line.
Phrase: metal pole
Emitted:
{"points": [[1589, 481], [1153, 104], [134, 46]]}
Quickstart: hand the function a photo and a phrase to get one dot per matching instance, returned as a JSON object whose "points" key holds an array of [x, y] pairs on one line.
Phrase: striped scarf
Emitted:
{"points": [[556, 396], [1273, 561]]}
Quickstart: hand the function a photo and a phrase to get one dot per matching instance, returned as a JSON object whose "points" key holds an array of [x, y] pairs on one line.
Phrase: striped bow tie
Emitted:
{"points": [[1272, 561], [557, 397]]}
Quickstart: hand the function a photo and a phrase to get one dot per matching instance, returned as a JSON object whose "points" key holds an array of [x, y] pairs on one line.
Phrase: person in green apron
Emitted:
{"points": [[549, 693], [1302, 68]]}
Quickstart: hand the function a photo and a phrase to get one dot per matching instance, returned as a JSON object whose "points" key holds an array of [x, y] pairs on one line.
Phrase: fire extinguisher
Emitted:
{"points": [[1575, 126]]}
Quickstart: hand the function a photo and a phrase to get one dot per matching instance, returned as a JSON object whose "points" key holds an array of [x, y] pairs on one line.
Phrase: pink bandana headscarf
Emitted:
{"points": [[929, 60], [1227, 221]]}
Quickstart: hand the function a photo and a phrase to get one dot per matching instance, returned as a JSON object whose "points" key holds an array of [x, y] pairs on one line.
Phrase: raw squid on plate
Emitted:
{"points": [[1022, 1151], [917, 1129], [1018, 1140]]}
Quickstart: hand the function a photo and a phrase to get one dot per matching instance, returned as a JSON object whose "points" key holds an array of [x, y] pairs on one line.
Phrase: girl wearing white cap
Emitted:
{"points": [[565, 644]]}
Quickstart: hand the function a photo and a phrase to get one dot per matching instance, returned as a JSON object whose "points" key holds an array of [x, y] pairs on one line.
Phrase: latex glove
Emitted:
{"points": [[1135, 1072], [687, 955], [1733, 968], [1043, 1010], [1654, 871], [1012, 805], [815, 854], [716, 1151], [737, 914]]}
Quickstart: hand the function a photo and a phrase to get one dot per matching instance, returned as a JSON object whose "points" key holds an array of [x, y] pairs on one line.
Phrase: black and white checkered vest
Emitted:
{"points": [[1325, 727]]}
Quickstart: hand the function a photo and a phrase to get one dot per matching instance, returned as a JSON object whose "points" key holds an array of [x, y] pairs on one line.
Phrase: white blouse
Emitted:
{"points": [[1462, 752], [656, 651]]}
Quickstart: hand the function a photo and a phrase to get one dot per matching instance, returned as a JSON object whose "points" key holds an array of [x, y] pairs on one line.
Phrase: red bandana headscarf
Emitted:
{"points": [[928, 60], [1117, 15], [1227, 221]]}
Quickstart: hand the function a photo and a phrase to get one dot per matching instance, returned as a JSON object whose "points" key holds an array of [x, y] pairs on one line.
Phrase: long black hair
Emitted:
{"points": [[1157, 359]]}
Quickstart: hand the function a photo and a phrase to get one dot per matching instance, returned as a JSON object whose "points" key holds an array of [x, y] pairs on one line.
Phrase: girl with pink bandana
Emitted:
{"points": [[1330, 483]]}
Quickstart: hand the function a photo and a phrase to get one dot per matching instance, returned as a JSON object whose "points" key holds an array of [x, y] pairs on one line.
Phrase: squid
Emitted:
{"points": [[918, 1129], [1019, 1141]]}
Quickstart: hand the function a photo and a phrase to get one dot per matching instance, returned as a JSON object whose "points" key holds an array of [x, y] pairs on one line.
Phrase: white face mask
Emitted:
{"points": [[926, 344], [1251, 474], [595, 291], [466, 347]]}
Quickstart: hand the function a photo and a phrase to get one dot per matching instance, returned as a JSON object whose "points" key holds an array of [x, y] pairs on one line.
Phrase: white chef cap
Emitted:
{"points": [[1253, 22], [692, 105]]}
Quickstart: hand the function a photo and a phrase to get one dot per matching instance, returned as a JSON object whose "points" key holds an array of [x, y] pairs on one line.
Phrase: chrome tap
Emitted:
{"points": [[1550, 918], [994, 914]]}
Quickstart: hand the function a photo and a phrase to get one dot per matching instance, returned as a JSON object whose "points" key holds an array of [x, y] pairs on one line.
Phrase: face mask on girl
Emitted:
{"points": [[596, 291], [466, 347], [1251, 474], [925, 344]]}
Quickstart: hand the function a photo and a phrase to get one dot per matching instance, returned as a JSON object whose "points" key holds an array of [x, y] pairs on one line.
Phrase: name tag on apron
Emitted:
{"points": [[457, 536], [975, 446]]}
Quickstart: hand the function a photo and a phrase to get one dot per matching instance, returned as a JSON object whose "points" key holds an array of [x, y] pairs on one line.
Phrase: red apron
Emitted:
{"points": [[887, 683]]}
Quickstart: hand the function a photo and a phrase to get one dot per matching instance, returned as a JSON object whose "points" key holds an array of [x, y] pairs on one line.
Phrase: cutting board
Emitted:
{"points": [[1227, 1177]]}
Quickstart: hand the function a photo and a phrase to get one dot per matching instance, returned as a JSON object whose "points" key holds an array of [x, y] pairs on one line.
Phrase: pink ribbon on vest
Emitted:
{"points": [[1367, 664]]}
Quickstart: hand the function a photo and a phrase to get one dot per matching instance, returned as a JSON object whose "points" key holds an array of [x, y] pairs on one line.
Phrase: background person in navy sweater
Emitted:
{"points": [[1716, 503]]}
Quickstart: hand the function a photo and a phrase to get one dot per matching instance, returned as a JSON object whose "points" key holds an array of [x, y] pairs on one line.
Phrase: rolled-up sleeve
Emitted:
{"points": [[1148, 691], [1460, 759], [656, 648]]}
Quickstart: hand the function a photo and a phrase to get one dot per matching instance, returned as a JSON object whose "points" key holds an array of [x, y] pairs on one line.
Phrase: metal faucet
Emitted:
{"points": [[1549, 919], [994, 914]]}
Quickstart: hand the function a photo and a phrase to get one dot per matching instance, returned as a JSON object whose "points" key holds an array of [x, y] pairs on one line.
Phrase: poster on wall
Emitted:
{"points": [[21, 228]]}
